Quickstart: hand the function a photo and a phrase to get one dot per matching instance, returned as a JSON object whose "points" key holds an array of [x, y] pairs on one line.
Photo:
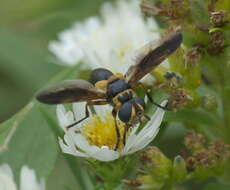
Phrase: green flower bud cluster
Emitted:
{"points": [[197, 78], [206, 158], [157, 171], [209, 102], [205, 27], [110, 174]]}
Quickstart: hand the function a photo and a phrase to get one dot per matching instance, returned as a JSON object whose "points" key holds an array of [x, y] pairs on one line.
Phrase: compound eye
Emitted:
{"points": [[140, 101], [125, 112]]}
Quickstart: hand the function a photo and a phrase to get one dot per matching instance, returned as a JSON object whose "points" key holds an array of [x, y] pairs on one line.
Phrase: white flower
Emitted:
{"points": [[96, 137], [27, 179], [110, 41]]}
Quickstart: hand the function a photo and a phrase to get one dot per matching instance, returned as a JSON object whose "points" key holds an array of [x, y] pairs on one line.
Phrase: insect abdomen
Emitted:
{"points": [[117, 87]]}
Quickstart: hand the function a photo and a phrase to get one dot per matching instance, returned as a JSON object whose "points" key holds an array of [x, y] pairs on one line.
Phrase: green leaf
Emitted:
{"points": [[31, 136], [199, 116], [23, 62], [215, 186], [64, 171], [32, 144]]}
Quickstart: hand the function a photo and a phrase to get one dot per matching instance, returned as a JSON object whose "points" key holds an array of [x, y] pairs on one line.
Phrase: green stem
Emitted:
{"points": [[220, 76], [110, 186], [81, 176], [223, 78]]}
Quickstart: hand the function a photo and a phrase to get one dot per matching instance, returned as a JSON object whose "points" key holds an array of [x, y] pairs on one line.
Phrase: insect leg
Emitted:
{"points": [[79, 121], [154, 103], [147, 117], [125, 133], [90, 103], [150, 97], [117, 129]]}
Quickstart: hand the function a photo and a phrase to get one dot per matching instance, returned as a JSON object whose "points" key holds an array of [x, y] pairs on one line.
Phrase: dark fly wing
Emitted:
{"points": [[69, 91], [153, 54]]}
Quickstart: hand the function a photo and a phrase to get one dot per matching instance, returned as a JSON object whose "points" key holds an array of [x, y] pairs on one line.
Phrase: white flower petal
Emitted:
{"points": [[69, 118], [148, 79], [28, 180], [131, 139], [61, 115], [109, 42], [148, 133], [74, 140], [66, 49], [66, 148], [6, 178], [64, 118], [142, 143], [79, 110], [103, 154], [81, 142], [5, 168]]}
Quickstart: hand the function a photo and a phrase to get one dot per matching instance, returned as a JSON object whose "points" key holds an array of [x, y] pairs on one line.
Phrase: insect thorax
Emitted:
{"points": [[119, 92]]}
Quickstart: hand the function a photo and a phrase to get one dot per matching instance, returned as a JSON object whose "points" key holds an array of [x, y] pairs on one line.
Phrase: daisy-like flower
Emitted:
{"points": [[110, 41], [96, 137], [28, 179]]}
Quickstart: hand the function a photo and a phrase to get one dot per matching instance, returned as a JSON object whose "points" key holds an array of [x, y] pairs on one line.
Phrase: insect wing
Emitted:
{"points": [[151, 56], [69, 91]]}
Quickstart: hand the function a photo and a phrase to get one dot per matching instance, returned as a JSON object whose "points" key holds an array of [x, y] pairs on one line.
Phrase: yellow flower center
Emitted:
{"points": [[102, 132]]}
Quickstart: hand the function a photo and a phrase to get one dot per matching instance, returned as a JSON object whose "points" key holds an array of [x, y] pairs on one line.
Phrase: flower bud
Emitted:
{"points": [[153, 158], [218, 18], [216, 42], [194, 141], [149, 183], [207, 158], [181, 98], [174, 10], [179, 171], [155, 170], [209, 102], [193, 55]]}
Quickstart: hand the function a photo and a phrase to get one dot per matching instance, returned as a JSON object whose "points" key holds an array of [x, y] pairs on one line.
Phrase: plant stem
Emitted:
{"points": [[223, 78]]}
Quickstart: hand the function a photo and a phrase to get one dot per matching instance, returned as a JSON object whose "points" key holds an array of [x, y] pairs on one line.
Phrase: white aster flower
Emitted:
{"points": [[28, 179], [110, 41], [96, 137]]}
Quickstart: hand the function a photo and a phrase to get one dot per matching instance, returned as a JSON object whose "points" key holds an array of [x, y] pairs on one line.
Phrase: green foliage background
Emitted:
{"points": [[26, 27]]}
